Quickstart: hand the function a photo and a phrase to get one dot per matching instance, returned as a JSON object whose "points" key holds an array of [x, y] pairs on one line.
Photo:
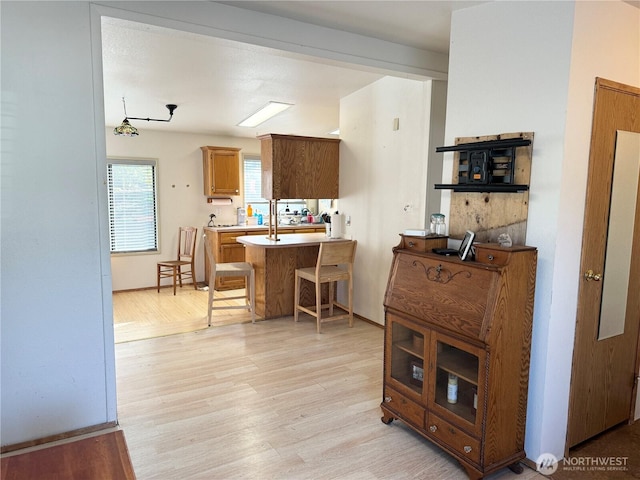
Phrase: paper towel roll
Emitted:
{"points": [[337, 225], [219, 201]]}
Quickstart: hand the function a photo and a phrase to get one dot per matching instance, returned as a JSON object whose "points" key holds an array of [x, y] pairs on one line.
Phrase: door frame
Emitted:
{"points": [[595, 361]]}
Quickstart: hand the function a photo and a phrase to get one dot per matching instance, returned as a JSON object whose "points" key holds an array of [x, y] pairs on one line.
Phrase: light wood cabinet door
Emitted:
{"points": [[221, 170], [299, 167], [457, 382], [406, 365]]}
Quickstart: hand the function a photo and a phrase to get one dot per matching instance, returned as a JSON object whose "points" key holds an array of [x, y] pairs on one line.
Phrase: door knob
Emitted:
{"points": [[589, 275]]}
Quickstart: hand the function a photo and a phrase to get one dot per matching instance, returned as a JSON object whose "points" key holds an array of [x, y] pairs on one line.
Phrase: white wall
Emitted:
{"points": [[383, 177], [533, 69], [181, 200], [57, 336]]}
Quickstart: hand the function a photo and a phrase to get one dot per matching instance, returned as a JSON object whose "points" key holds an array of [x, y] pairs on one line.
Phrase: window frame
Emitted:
{"points": [[262, 203], [140, 162]]}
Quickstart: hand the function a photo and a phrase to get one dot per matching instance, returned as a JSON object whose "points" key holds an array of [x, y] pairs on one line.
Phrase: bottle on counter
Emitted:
{"points": [[259, 218], [249, 211]]}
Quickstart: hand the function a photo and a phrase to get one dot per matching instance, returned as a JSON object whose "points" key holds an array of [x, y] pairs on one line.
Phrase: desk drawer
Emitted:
{"points": [[406, 409], [492, 256], [452, 436], [423, 244]]}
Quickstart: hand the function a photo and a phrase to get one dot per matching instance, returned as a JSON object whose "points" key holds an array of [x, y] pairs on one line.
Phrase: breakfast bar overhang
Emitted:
{"points": [[275, 263]]}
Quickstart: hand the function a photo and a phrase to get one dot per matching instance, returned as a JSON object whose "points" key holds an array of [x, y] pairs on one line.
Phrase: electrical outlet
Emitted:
{"points": [[348, 221]]}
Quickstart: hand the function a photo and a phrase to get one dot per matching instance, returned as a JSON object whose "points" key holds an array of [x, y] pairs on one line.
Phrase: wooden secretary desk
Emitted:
{"points": [[457, 347]]}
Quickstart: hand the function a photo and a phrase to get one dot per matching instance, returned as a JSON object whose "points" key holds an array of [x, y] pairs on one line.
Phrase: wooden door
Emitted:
{"points": [[604, 371]]}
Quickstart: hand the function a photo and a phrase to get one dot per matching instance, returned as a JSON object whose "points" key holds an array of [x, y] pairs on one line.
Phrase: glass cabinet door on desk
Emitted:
{"points": [[407, 342], [456, 390]]}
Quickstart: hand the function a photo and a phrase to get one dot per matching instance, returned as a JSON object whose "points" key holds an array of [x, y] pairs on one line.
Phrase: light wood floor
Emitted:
{"points": [[142, 314], [271, 400]]}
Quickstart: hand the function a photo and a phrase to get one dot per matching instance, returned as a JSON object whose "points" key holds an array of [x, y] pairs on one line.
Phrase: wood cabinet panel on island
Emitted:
{"points": [[227, 249], [275, 263], [221, 170], [457, 346], [299, 167]]}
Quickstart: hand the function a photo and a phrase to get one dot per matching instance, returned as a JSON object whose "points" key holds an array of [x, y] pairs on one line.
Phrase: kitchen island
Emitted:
{"points": [[226, 248], [275, 263]]}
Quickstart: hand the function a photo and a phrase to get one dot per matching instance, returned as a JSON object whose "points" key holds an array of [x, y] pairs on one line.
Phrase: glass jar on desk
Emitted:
{"points": [[437, 226]]}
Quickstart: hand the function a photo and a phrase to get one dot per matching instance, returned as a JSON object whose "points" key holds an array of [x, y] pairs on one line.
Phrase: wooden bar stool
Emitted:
{"points": [[335, 263], [231, 269]]}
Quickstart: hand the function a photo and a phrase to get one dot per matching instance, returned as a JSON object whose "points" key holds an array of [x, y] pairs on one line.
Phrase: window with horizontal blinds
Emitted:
{"points": [[253, 184], [253, 188], [133, 219]]}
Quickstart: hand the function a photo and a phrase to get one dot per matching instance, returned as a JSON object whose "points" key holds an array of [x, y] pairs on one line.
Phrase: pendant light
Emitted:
{"points": [[128, 130]]}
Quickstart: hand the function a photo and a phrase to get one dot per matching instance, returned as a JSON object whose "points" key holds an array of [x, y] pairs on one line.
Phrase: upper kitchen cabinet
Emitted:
{"points": [[221, 170], [299, 167]]}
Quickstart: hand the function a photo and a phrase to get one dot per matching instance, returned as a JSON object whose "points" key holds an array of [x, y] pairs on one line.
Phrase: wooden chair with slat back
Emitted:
{"points": [[177, 269], [230, 269], [335, 263]]}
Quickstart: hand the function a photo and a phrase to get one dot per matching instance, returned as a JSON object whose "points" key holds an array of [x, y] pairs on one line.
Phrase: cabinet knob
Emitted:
{"points": [[590, 275], [467, 449], [387, 399], [490, 257], [433, 428], [411, 244]]}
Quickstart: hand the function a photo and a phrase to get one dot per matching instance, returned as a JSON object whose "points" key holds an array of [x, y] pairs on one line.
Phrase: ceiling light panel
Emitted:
{"points": [[270, 110]]}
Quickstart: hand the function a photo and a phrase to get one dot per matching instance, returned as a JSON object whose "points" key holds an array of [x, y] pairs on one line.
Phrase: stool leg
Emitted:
{"points": [[350, 301], [296, 297], [252, 295], [210, 304], [318, 303], [331, 295]]}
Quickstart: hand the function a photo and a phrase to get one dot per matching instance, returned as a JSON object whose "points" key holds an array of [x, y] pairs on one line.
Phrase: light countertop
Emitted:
{"points": [[289, 240], [244, 228]]}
